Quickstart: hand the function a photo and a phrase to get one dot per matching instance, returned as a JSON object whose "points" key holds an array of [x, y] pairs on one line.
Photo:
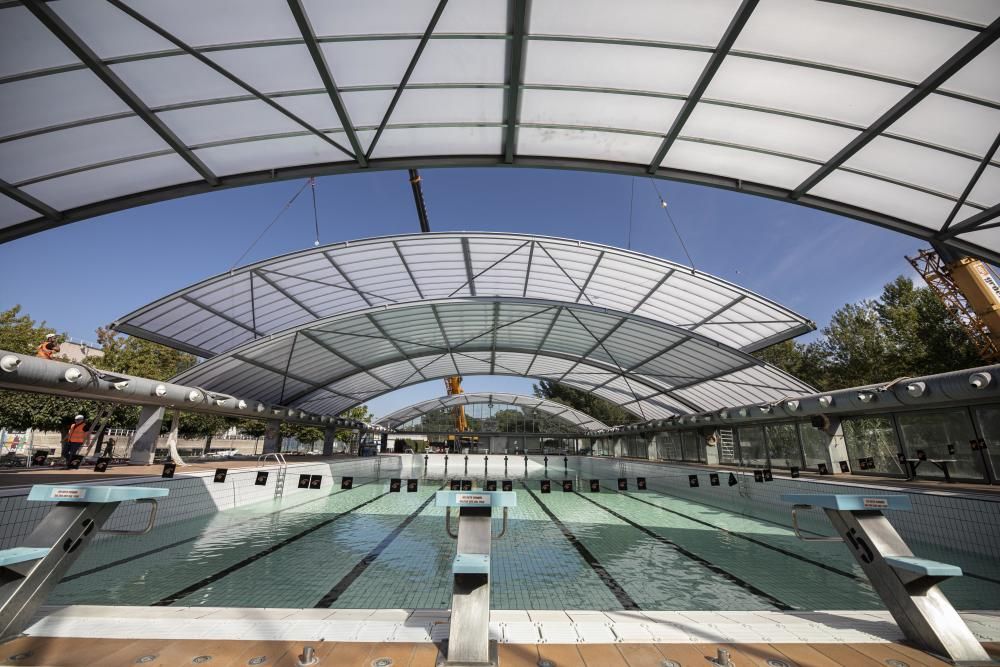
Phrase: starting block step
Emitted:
{"points": [[847, 502], [93, 494], [927, 568], [22, 554], [471, 564]]}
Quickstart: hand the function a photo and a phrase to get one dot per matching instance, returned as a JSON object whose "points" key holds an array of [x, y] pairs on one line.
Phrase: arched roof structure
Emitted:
{"points": [[887, 112], [579, 419], [231, 309], [650, 368]]}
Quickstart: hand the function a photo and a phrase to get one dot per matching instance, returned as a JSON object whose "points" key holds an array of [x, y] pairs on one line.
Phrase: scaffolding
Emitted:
{"points": [[939, 276]]}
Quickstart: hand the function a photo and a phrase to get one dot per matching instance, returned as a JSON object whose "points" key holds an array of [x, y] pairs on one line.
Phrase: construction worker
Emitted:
{"points": [[48, 348], [75, 437]]}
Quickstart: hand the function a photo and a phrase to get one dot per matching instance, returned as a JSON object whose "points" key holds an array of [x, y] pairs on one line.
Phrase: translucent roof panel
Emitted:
{"points": [[650, 368], [888, 112], [220, 313], [564, 412]]}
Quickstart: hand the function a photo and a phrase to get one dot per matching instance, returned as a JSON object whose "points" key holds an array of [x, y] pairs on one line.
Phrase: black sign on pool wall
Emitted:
{"points": [[168, 470], [411, 485], [303, 481], [316, 481], [346, 483], [261, 479], [863, 463], [732, 480], [768, 477], [75, 462], [491, 485], [102, 464], [640, 483], [546, 486], [220, 475], [622, 484], [507, 485], [456, 485], [395, 484], [823, 470], [844, 467], [39, 458], [595, 486], [758, 475], [467, 485], [692, 480], [567, 485], [713, 478], [794, 470]]}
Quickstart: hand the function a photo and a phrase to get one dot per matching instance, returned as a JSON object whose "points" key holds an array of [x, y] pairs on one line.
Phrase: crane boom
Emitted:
{"points": [[971, 293]]}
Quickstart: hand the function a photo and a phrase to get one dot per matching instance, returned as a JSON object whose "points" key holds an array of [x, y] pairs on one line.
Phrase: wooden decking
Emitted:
{"points": [[90, 652]]}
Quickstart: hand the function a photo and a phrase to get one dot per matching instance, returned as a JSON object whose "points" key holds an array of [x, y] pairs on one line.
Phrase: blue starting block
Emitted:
{"points": [[30, 571], [908, 585]]}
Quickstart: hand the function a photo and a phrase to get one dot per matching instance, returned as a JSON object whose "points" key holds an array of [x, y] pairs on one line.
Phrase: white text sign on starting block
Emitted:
{"points": [[473, 499]]}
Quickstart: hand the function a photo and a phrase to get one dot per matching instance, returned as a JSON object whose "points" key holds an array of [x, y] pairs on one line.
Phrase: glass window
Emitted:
{"points": [[690, 441], [752, 450], [988, 418], [783, 445], [875, 438], [941, 435], [668, 445], [815, 445]]}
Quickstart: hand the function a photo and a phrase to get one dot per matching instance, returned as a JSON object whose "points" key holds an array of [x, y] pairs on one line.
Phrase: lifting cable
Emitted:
{"points": [[288, 204], [663, 205]]}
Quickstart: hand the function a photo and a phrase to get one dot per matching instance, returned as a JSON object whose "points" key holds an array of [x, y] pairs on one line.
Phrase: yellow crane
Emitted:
{"points": [[970, 291]]}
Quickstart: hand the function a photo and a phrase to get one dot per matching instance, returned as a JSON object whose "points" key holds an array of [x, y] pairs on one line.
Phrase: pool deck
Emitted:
{"points": [[76, 636], [87, 652]]}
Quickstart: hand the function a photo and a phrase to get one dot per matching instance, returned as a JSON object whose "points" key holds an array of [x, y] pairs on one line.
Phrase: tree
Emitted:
{"points": [[19, 333], [585, 402], [304, 433], [358, 412], [905, 332], [135, 356]]}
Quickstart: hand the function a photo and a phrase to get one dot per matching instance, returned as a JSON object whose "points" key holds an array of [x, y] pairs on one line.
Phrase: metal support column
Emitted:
{"points": [[272, 436], [147, 430], [329, 436]]}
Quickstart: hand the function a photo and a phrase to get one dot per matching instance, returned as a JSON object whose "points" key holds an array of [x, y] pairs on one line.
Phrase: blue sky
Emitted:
{"points": [[86, 274]]}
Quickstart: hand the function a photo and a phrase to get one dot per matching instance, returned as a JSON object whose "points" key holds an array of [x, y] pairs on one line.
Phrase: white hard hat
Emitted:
{"points": [[78, 418], [50, 336]]}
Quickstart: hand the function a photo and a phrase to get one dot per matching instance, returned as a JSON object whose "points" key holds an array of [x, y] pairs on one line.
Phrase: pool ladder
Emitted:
{"points": [[279, 476]]}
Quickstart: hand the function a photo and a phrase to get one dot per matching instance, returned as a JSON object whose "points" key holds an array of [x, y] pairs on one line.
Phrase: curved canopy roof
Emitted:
{"points": [[885, 111], [231, 309], [572, 415], [650, 368]]}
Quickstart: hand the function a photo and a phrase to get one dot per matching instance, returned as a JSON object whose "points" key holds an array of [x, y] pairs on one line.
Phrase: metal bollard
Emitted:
{"points": [[308, 657], [722, 658]]}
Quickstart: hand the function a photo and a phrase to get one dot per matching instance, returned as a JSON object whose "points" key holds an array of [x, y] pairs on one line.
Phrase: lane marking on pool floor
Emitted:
{"points": [[790, 554], [152, 552], [612, 584], [345, 582], [728, 576], [170, 599]]}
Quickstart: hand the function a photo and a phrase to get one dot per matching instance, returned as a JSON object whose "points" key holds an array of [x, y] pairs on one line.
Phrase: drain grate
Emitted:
{"points": [[145, 659], [259, 660], [201, 660], [382, 662]]}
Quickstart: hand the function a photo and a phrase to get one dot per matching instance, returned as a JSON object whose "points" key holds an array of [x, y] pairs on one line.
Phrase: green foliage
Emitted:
{"points": [[905, 332], [359, 412], [19, 333], [595, 406], [135, 356], [305, 434]]}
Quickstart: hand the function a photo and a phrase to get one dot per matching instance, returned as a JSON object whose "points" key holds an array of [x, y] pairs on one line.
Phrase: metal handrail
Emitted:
{"points": [[798, 533], [454, 536], [278, 457], [149, 524]]}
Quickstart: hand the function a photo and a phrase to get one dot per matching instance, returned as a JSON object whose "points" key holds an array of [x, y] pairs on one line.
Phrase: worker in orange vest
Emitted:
{"points": [[48, 348], [75, 437]]}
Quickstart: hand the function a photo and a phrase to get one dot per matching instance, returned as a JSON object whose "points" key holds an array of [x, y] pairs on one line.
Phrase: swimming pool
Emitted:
{"points": [[369, 548]]}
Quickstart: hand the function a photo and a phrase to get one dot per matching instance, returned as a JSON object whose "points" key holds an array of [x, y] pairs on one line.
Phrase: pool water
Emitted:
{"points": [[368, 548]]}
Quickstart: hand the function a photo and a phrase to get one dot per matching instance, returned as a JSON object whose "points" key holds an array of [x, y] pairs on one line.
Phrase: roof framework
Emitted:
{"points": [[880, 112], [223, 312], [651, 369], [579, 419]]}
